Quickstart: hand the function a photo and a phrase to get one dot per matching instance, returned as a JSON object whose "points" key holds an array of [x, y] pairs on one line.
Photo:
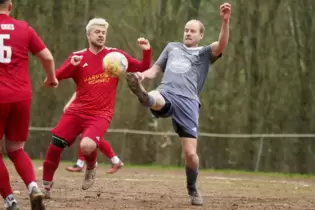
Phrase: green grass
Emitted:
{"points": [[214, 171]]}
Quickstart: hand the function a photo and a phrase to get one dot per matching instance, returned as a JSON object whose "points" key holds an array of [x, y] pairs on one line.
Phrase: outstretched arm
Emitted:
{"points": [[159, 65], [151, 72], [218, 46], [135, 65]]}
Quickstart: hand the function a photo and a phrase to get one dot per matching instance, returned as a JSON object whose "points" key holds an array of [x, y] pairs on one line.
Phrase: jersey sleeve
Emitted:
{"points": [[213, 58], [135, 65], [162, 60], [66, 70], [35, 44]]}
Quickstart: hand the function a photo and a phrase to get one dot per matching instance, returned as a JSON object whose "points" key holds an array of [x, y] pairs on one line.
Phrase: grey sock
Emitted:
{"points": [[191, 175], [151, 102]]}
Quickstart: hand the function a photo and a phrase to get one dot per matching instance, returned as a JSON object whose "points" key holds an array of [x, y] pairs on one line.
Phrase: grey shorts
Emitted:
{"points": [[184, 113]]}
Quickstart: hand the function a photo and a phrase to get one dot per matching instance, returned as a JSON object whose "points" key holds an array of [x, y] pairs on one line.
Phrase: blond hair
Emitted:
{"points": [[96, 21]]}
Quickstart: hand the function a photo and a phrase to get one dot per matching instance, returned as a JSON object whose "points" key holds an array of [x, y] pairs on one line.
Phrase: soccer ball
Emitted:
{"points": [[115, 63]]}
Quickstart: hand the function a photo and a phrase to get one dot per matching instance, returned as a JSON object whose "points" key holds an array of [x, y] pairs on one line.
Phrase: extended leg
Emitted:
{"points": [[153, 99]]}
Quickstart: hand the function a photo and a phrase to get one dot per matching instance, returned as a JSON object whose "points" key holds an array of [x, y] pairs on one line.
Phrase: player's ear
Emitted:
{"points": [[10, 7]]}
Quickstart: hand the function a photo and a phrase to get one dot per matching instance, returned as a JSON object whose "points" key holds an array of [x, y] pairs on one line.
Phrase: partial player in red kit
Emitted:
{"points": [[91, 112], [105, 148], [17, 39]]}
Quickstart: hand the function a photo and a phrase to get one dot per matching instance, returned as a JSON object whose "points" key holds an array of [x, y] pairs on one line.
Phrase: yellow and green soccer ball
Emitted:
{"points": [[115, 63]]}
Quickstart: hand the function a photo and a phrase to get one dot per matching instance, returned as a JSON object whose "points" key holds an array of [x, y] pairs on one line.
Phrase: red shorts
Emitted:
{"points": [[15, 120], [72, 125]]}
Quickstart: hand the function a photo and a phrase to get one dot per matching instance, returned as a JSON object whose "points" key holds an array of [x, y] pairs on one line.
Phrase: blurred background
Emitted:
{"points": [[263, 84]]}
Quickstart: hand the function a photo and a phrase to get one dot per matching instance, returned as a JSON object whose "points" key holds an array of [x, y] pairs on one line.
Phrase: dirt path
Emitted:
{"points": [[133, 188]]}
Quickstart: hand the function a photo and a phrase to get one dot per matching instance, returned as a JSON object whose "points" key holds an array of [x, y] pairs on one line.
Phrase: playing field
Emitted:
{"points": [[156, 188]]}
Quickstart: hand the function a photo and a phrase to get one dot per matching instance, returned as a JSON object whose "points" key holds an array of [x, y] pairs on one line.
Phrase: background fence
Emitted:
{"points": [[165, 142]]}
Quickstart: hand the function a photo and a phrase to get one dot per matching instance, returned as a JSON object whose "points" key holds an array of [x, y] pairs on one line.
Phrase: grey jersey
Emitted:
{"points": [[185, 69]]}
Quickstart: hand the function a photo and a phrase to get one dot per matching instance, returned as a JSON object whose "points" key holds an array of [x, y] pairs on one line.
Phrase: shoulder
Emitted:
{"points": [[19, 22], [22, 25], [19, 26], [79, 52], [173, 44], [113, 49], [205, 49]]}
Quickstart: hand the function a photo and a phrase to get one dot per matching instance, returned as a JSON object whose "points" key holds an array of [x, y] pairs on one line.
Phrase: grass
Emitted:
{"points": [[214, 171], [229, 171]]}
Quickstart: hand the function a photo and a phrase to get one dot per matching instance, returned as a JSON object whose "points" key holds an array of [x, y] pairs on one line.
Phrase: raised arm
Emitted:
{"points": [[135, 65], [217, 47], [67, 69]]}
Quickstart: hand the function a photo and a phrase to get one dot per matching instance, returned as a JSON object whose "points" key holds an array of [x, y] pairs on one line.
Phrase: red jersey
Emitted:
{"points": [[17, 38], [96, 90]]}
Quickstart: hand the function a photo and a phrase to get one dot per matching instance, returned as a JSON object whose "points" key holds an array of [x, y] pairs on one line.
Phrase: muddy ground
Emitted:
{"points": [[133, 188]]}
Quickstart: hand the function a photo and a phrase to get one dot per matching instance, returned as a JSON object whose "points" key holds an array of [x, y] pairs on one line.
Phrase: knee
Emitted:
{"points": [[87, 146], [12, 146], [190, 155], [191, 159], [190, 152], [158, 99]]}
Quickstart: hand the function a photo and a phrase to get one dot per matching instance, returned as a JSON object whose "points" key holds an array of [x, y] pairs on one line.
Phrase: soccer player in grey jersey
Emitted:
{"points": [[185, 67]]}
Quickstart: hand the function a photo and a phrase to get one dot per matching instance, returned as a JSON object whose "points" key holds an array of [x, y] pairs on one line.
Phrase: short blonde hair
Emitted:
{"points": [[96, 21]]}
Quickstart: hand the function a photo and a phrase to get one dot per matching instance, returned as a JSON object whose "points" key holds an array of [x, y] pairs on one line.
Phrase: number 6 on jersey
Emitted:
{"points": [[5, 51]]}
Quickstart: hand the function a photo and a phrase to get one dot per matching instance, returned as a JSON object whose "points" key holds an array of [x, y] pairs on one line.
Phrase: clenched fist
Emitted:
{"points": [[76, 59], [143, 43], [225, 11], [51, 82]]}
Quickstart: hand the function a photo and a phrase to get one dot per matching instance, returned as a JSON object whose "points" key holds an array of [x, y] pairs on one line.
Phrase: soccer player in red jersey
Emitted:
{"points": [[105, 148], [17, 38], [92, 110]]}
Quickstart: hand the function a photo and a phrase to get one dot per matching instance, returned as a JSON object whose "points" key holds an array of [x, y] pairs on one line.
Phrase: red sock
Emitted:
{"points": [[51, 162], [80, 155], [91, 160], [23, 165], [5, 187], [106, 149]]}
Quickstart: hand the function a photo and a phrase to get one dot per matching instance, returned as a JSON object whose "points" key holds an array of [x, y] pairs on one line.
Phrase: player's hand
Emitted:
{"points": [[76, 59], [225, 11], [139, 75], [143, 43], [51, 82]]}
